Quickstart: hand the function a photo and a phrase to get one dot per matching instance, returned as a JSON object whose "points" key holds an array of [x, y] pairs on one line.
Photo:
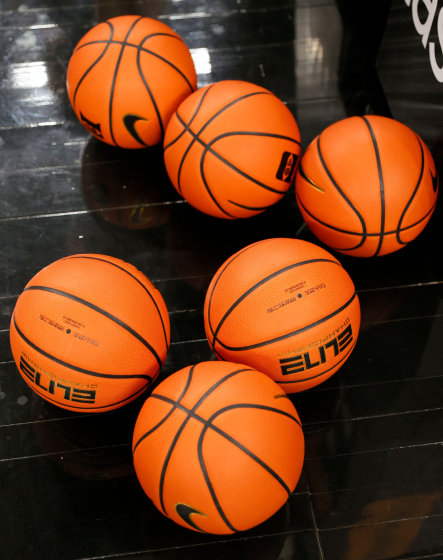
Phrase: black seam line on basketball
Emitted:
{"points": [[71, 366], [182, 427], [151, 95], [341, 192], [144, 436], [167, 62], [127, 43], [320, 374], [137, 280], [44, 395], [102, 312], [208, 189], [208, 122], [148, 51], [192, 119], [413, 195], [382, 186], [289, 335], [309, 180], [95, 62], [216, 282], [256, 208], [250, 133], [208, 147], [253, 405], [359, 234], [208, 424], [144, 49], [114, 79], [258, 285]]}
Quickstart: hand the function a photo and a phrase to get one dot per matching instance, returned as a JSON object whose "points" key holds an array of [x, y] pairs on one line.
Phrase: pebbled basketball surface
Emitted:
{"points": [[285, 307], [232, 149], [218, 447], [367, 186], [126, 77], [80, 335]]}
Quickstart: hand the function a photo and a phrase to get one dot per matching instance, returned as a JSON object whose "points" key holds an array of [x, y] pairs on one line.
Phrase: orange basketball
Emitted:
{"points": [[286, 308], [89, 333], [367, 186], [231, 149], [218, 447], [126, 77]]}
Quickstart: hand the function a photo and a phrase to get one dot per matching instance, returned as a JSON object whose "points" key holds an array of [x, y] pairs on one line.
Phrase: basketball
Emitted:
{"points": [[367, 186], [126, 77], [89, 333], [286, 308], [218, 447], [231, 149]]}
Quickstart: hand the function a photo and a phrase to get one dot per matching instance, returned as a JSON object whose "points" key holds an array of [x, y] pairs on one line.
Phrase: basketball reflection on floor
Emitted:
{"points": [[86, 449], [239, 546], [127, 188]]}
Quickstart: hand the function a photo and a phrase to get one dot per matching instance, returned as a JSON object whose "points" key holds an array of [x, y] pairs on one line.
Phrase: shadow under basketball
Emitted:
{"points": [[128, 188]]}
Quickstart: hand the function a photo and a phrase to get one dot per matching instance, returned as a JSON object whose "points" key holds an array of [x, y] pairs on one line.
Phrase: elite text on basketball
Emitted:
{"points": [[57, 387], [318, 354]]}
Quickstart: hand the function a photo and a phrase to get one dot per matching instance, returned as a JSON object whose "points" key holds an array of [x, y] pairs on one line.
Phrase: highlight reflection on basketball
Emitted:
{"points": [[126, 77], [218, 447], [80, 335], [232, 149], [286, 308], [367, 186]]}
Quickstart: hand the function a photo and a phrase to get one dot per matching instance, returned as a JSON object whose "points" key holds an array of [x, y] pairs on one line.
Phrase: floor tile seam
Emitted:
{"points": [[400, 319], [314, 520], [129, 410], [416, 285], [382, 450], [65, 452], [239, 538], [354, 489], [382, 522], [319, 388], [67, 166], [89, 211], [376, 416], [84, 415]]}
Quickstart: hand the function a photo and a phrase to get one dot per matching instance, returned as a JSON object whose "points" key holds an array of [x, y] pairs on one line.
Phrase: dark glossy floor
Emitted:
{"points": [[372, 485]]}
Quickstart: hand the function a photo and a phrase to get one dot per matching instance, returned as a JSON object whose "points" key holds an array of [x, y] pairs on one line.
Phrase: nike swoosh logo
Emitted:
{"points": [[310, 181], [185, 512], [434, 180], [129, 122]]}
